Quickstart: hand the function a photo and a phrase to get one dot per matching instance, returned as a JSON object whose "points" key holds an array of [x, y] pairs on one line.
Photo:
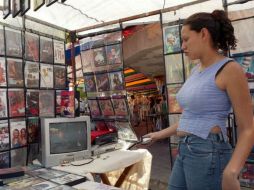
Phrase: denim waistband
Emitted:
{"points": [[216, 137]]}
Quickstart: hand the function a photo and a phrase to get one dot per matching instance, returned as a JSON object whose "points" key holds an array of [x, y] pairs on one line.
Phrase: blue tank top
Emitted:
{"points": [[204, 104]]}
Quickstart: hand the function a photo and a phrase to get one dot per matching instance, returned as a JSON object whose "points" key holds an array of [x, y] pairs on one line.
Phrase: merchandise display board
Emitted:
{"points": [[32, 67]]}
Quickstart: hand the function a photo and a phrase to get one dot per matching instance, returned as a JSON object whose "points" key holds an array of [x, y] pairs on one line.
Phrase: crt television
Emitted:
{"points": [[64, 140]]}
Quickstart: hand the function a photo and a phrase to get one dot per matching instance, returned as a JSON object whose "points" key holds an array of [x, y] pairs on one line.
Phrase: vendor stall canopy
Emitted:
{"points": [[78, 14]]}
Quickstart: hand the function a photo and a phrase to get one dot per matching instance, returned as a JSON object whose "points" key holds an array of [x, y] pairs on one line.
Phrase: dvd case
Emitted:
{"points": [[4, 160], [46, 50], [32, 103], [102, 82], [47, 103], [2, 51], [15, 73], [59, 56], [171, 38], [94, 108], [47, 80], [16, 101], [99, 57], [67, 103], [4, 135], [18, 133], [13, 43], [32, 74], [31, 47], [120, 106], [106, 106], [18, 157], [87, 58], [3, 104], [2, 72], [60, 76], [90, 84], [116, 80], [33, 129], [114, 55]]}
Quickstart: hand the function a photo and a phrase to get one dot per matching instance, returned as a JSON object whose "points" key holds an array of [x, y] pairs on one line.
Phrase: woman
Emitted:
{"points": [[217, 83]]}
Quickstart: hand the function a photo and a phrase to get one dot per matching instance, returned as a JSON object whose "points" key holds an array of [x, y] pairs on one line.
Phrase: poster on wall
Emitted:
{"points": [[13, 43], [247, 63], [15, 73], [106, 106], [3, 104], [32, 103], [6, 8], [173, 105], [114, 55], [2, 72], [94, 108], [46, 72], [25, 6], [47, 103], [2, 40], [59, 56], [4, 135], [171, 39], [38, 4], [46, 50], [31, 47], [87, 60], [60, 76], [102, 82], [99, 57], [4, 160], [16, 7], [18, 133], [31, 74], [16, 102], [174, 68], [116, 80]]}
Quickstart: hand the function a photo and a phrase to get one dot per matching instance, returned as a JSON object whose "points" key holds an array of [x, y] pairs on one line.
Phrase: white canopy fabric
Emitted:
{"points": [[76, 14]]}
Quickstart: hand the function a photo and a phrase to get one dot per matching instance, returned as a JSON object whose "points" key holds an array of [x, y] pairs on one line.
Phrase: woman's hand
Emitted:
{"points": [[230, 181], [153, 136]]}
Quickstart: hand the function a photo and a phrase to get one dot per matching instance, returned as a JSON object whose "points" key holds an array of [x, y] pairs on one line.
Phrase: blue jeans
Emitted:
{"points": [[200, 163]]}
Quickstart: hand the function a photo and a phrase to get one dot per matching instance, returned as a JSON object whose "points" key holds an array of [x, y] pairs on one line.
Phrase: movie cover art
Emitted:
{"points": [[47, 103], [189, 65], [120, 107], [174, 68], [113, 37], [15, 73], [47, 80], [87, 58], [50, 2], [106, 107], [58, 102], [18, 133], [173, 105], [98, 40], [32, 103], [94, 108], [2, 40], [89, 81], [46, 50], [50, 174], [33, 129], [31, 47], [32, 74], [38, 4], [60, 76], [13, 43], [67, 103], [114, 55], [25, 184], [116, 80], [99, 57], [171, 37], [102, 82], [125, 131], [18, 157], [59, 56], [4, 160], [33, 152], [4, 135], [63, 187], [16, 7], [66, 179], [2, 72], [16, 102], [3, 103], [247, 63], [25, 6]]}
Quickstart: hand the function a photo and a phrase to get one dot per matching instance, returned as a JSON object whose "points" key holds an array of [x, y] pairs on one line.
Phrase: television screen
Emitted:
{"points": [[67, 137]]}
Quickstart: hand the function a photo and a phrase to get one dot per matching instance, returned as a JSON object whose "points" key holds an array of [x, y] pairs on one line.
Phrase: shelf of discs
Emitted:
{"points": [[102, 60], [244, 55], [32, 69]]}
